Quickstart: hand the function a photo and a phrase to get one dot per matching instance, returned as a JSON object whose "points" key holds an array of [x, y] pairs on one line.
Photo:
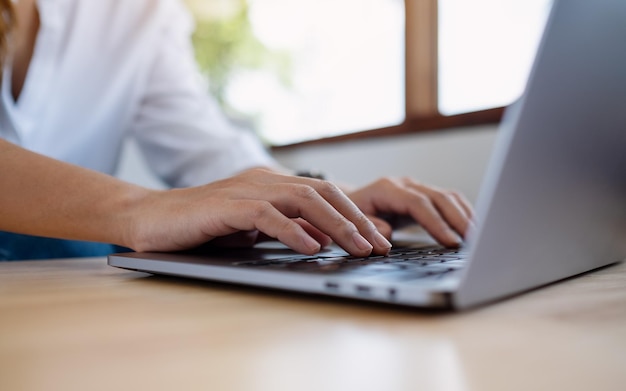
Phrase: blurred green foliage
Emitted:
{"points": [[225, 45]]}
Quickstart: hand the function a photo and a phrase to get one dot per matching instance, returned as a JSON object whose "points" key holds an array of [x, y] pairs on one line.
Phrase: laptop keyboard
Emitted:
{"points": [[401, 264]]}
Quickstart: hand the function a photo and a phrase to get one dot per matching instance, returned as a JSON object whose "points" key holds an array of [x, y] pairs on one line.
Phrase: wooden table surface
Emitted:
{"points": [[82, 325]]}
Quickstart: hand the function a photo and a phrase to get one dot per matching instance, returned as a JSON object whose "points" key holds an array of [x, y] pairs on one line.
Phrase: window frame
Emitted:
{"points": [[421, 84]]}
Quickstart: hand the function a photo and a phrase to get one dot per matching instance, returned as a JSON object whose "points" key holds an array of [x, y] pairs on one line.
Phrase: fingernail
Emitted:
{"points": [[311, 244], [361, 243], [381, 241], [454, 238]]}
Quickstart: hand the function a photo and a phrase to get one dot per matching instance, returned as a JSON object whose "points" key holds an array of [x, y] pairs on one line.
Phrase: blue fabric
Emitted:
{"points": [[14, 247]]}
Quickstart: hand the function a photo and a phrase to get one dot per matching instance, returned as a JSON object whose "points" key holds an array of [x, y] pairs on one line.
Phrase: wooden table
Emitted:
{"points": [[82, 325]]}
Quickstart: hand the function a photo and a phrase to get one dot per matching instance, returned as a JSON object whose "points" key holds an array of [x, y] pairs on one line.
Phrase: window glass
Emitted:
{"points": [[304, 69], [486, 49]]}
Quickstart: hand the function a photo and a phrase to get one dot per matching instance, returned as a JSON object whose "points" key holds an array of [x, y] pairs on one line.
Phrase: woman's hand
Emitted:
{"points": [[445, 214], [302, 213]]}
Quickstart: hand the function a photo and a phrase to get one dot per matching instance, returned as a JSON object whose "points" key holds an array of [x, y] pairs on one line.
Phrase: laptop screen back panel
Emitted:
{"points": [[554, 203]]}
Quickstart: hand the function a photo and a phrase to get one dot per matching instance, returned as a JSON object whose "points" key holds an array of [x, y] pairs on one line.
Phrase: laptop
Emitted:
{"points": [[552, 205]]}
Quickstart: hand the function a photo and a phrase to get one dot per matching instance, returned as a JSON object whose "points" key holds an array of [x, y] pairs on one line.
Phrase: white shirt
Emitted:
{"points": [[104, 70]]}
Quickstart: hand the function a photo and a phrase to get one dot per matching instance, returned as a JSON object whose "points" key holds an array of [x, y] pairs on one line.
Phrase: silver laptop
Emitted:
{"points": [[553, 204]]}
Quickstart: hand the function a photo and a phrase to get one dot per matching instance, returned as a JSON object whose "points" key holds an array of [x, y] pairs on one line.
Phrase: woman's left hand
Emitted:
{"points": [[446, 215]]}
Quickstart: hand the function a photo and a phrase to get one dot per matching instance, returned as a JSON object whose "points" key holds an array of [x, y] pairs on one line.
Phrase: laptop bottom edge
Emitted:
{"points": [[402, 294]]}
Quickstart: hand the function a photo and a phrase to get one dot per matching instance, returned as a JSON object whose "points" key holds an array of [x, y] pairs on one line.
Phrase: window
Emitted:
{"points": [[304, 69], [486, 48], [298, 70]]}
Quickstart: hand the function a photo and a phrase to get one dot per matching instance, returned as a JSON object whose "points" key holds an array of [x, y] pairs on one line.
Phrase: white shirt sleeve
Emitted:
{"points": [[185, 138]]}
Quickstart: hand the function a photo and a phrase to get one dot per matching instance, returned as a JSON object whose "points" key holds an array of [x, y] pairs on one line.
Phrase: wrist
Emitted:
{"points": [[135, 208]]}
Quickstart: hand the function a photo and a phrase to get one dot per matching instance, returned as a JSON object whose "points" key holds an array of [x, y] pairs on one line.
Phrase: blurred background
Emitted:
{"points": [[297, 70]]}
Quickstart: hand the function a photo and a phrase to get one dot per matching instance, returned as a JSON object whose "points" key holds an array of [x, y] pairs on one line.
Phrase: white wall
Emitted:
{"points": [[453, 159]]}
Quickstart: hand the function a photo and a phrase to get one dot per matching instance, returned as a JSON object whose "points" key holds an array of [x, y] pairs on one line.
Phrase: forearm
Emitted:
{"points": [[45, 197]]}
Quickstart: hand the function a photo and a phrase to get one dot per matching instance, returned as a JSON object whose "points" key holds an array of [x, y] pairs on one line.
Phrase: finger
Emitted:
{"points": [[421, 208], [323, 239], [326, 207], [382, 226], [248, 215], [465, 204], [452, 206], [424, 212], [451, 210], [404, 197], [347, 208], [298, 200]]}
